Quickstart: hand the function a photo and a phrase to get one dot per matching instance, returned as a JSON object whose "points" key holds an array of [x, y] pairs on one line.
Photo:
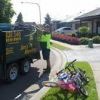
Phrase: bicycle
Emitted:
{"points": [[76, 71], [80, 73], [68, 81]]}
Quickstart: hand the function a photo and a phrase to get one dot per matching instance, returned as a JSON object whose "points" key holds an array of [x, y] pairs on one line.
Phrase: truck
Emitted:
{"points": [[18, 48]]}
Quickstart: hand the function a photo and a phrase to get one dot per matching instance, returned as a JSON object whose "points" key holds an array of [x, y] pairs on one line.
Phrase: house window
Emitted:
{"points": [[77, 26], [98, 27], [98, 24]]}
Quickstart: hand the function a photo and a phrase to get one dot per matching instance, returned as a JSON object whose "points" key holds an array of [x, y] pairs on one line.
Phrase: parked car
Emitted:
{"points": [[65, 30]]}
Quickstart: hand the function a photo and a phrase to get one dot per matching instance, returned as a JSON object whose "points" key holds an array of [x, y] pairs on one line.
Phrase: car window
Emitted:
{"points": [[68, 28]]}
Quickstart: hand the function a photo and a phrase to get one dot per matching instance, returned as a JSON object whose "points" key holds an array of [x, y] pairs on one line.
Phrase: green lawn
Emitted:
{"points": [[59, 46], [59, 94]]}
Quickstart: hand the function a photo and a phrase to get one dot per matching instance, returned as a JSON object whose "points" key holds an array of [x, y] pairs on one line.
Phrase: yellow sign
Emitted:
{"points": [[9, 51], [27, 49], [13, 37]]}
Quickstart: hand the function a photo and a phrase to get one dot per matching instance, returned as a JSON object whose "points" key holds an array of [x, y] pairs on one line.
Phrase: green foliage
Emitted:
{"points": [[84, 40], [48, 19], [20, 18], [48, 22], [83, 29], [96, 39], [88, 35], [6, 11], [83, 32]]}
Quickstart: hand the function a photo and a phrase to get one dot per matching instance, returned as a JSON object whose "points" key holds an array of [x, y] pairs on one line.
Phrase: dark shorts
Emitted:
{"points": [[46, 54], [45, 51]]}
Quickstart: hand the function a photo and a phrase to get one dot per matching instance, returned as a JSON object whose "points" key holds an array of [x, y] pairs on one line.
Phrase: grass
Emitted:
{"points": [[59, 94], [59, 46]]}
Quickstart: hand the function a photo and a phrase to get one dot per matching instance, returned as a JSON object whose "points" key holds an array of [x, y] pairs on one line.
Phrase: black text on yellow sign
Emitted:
{"points": [[13, 37], [27, 50], [9, 51]]}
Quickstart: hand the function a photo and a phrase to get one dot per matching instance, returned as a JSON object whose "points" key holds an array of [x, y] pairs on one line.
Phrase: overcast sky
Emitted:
{"points": [[57, 9]]}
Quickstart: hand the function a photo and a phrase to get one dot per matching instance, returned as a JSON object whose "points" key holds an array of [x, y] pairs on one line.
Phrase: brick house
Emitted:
{"points": [[90, 19]]}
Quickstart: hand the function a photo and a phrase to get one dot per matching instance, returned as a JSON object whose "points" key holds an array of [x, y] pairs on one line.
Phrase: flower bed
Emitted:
{"points": [[66, 38]]}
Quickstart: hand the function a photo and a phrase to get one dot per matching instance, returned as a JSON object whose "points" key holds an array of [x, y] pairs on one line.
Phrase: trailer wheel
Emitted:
{"points": [[25, 66], [12, 72]]}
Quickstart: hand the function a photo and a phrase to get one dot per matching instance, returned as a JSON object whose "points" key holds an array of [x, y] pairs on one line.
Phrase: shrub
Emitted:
{"points": [[88, 35], [84, 40], [84, 29], [83, 32], [96, 39]]}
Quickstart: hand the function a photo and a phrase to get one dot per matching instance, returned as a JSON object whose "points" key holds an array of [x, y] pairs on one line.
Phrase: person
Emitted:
{"points": [[45, 46]]}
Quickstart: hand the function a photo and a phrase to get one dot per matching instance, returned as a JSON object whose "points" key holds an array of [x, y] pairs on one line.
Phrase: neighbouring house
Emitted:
{"points": [[90, 19]]}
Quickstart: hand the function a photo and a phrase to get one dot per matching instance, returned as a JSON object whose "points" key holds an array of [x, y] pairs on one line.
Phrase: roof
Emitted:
{"points": [[92, 13], [75, 20]]}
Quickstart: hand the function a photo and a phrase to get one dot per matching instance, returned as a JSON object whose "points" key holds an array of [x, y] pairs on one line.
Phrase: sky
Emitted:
{"points": [[63, 10]]}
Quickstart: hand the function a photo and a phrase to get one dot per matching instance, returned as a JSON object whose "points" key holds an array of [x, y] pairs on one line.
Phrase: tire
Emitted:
{"points": [[83, 91], [83, 77], [25, 66], [49, 84], [86, 79], [12, 72]]}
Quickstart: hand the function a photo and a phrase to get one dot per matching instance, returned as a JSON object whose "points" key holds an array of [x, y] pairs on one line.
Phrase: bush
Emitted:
{"points": [[84, 29], [84, 40], [96, 39], [88, 35]]}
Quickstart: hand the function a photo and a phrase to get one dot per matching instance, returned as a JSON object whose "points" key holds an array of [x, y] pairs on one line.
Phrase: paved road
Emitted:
{"points": [[24, 87]]}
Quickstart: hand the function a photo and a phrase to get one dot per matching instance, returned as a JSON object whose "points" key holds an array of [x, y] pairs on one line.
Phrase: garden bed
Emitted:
{"points": [[66, 38]]}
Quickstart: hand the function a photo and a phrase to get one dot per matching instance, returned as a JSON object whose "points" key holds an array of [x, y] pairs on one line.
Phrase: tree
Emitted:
{"points": [[20, 18], [48, 21], [6, 11]]}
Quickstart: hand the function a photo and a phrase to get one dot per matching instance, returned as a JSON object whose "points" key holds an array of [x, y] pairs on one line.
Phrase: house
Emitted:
{"points": [[90, 19]]}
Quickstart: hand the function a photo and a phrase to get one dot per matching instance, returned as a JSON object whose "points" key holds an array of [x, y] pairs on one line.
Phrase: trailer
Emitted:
{"points": [[17, 50]]}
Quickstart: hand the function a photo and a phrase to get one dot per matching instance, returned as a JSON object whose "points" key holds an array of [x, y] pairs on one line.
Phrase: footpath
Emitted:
{"points": [[81, 53], [59, 61], [36, 90]]}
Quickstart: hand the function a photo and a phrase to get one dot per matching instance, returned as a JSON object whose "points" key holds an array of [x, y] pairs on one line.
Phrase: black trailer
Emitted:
{"points": [[17, 50]]}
